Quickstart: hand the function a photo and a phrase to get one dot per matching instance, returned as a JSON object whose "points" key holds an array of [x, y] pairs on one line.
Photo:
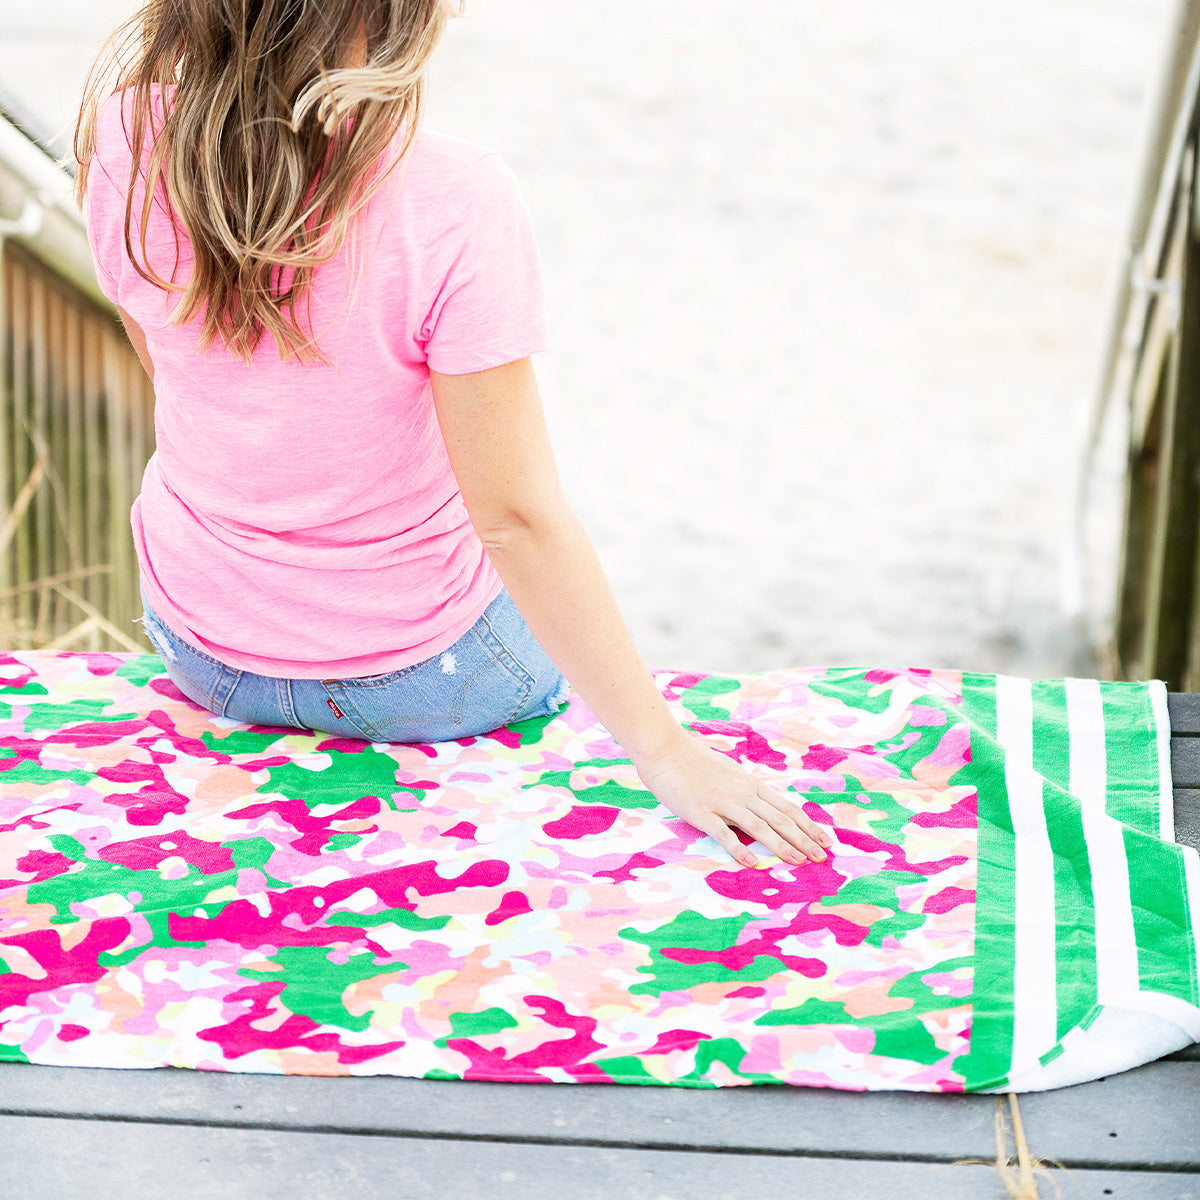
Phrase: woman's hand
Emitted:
{"points": [[713, 792]]}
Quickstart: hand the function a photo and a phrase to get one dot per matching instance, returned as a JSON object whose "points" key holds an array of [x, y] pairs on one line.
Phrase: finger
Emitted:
{"points": [[761, 822], [814, 829], [790, 808], [790, 821], [727, 839]]}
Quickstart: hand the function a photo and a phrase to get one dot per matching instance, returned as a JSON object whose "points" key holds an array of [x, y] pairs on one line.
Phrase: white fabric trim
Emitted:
{"points": [[1035, 1000], [1166, 795]]}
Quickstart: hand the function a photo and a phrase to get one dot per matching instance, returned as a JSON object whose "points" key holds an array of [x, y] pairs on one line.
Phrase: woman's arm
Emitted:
{"points": [[137, 339], [499, 448]]}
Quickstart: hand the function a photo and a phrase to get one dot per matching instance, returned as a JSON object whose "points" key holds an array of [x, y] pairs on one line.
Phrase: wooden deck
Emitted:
{"points": [[191, 1135]]}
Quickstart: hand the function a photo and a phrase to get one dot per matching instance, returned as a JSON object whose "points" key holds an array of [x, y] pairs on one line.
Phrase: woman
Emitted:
{"points": [[352, 521]]}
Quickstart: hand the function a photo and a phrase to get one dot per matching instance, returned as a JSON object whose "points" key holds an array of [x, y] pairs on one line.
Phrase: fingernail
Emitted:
{"points": [[748, 860], [819, 856]]}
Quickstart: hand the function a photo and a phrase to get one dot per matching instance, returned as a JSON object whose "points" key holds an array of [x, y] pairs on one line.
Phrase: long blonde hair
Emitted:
{"points": [[282, 122]]}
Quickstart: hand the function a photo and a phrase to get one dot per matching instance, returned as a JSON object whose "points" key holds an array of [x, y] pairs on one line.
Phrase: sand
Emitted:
{"points": [[826, 288]]}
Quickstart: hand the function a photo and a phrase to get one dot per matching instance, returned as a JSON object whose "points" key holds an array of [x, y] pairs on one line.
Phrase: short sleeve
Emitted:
{"points": [[104, 212], [104, 201], [483, 286]]}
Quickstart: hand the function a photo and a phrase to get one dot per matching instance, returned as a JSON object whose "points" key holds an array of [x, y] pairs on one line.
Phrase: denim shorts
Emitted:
{"points": [[495, 674]]}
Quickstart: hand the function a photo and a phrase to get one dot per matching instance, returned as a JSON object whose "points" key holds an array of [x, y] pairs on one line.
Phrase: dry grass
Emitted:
{"points": [[17, 634], [76, 430], [1022, 1177]]}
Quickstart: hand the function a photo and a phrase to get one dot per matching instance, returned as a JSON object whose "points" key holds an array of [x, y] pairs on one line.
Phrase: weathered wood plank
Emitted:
{"points": [[1145, 1117], [757, 1119], [1150, 1111], [1185, 762], [1187, 816], [45, 1159], [1184, 710]]}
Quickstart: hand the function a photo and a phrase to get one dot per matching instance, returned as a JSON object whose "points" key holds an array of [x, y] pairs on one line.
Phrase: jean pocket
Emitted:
{"points": [[474, 687]]}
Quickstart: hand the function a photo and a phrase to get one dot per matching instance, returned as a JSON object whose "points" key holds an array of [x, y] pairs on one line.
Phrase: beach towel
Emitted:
{"points": [[1003, 906]]}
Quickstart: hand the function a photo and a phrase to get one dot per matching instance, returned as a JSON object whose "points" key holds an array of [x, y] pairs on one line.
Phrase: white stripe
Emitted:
{"points": [[1085, 721], [1035, 1007], [1116, 946], [1166, 797], [1191, 877]]}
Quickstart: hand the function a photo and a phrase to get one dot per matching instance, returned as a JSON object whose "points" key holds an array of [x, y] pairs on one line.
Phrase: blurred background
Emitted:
{"points": [[826, 283]]}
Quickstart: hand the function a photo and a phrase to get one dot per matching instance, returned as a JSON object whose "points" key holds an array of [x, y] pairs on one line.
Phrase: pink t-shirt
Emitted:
{"points": [[303, 520]]}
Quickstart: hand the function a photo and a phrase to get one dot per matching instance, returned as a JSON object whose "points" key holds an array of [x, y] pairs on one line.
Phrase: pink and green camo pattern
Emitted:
{"points": [[179, 890]]}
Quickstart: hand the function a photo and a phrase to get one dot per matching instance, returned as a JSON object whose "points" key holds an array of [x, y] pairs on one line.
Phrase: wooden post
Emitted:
{"points": [[1172, 575], [22, 459], [41, 527], [1141, 484], [72, 356], [6, 425]]}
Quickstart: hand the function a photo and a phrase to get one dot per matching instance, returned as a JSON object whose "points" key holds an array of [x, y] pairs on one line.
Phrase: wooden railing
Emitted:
{"points": [[76, 429], [76, 424], [1151, 361], [1157, 626], [1158, 618]]}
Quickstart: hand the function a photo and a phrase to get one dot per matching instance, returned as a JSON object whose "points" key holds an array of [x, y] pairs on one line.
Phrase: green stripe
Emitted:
{"points": [[1074, 916], [1157, 887], [1074, 909], [1051, 741], [987, 1062], [1131, 749], [1162, 925]]}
